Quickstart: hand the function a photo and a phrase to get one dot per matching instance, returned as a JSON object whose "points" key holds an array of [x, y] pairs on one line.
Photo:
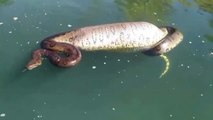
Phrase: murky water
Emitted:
{"points": [[106, 85]]}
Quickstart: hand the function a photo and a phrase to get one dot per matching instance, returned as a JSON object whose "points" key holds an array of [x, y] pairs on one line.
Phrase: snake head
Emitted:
{"points": [[36, 59], [33, 64]]}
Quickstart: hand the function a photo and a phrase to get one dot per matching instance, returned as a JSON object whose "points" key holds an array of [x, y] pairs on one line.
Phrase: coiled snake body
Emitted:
{"points": [[127, 36]]}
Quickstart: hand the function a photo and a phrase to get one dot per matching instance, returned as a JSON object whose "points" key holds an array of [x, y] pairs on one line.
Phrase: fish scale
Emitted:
{"points": [[117, 36]]}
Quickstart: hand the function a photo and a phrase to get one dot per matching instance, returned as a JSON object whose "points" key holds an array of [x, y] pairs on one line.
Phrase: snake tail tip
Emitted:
{"points": [[162, 75], [24, 70], [165, 58]]}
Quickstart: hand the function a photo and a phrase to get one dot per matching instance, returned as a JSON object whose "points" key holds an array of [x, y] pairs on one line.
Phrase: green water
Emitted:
{"points": [[106, 85]]}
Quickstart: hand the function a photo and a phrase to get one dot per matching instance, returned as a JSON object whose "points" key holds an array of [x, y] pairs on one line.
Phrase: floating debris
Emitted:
{"points": [[15, 18], [122, 82], [58, 4], [1, 23], [2, 115], [93, 67], [39, 116], [25, 15], [113, 109], [69, 25]]}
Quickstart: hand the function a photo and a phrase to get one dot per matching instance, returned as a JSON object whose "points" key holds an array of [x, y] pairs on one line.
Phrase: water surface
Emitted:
{"points": [[106, 85]]}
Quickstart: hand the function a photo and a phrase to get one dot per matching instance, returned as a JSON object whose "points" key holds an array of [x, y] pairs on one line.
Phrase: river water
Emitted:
{"points": [[106, 85]]}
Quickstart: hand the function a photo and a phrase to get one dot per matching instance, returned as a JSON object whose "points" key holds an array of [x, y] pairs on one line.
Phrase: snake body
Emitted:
{"points": [[127, 36], [72, 56]]}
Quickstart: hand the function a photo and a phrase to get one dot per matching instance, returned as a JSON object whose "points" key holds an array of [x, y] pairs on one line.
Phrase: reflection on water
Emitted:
{"points": [[206, 5], [5, 2], [145, 9], [210, 36], [155, 9]]}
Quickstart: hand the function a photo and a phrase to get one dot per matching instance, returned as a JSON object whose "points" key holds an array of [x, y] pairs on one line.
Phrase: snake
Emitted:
{"points": [[64, 49]]}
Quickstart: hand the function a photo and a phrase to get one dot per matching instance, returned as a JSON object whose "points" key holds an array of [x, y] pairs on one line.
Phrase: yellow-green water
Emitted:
{"points": [[106, 85]]}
